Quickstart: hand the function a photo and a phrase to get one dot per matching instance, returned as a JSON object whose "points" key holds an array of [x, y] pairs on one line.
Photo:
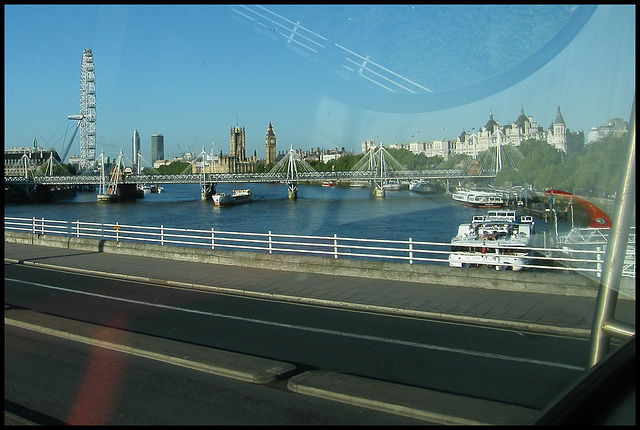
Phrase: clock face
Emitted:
{"points": [[272, 141]]}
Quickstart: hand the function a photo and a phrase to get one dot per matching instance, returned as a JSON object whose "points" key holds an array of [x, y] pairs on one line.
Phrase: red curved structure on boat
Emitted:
{"points": [[597, 218]]}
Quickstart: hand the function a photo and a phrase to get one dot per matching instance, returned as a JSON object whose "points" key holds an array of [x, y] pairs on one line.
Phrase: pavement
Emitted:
{"points": [[519, 311]]}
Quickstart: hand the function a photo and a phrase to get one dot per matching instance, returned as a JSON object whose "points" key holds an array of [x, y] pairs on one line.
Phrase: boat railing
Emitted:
{"points": [[409, 251], [592, 236]]}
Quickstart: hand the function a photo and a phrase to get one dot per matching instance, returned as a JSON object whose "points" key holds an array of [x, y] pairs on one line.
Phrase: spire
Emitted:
{"points": [[559, 119], [491, 124], [522, 119]]}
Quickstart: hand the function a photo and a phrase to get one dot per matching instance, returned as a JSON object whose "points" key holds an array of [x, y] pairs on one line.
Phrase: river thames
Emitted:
{"points": [[318, 211]]}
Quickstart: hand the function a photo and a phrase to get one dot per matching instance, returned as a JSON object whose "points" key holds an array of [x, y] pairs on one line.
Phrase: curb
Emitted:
{"points": [[432, 406], [228, 364]]}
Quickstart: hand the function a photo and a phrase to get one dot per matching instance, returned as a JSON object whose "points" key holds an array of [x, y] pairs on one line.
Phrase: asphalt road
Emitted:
{"points": [[52, 381], [506, 366]]}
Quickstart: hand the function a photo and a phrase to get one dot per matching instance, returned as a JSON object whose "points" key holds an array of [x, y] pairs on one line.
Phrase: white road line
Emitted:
{"points": [[316, 330]]}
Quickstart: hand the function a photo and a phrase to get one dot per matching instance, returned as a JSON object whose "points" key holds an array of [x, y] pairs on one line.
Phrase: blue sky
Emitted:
{"points": [[193, 72]]}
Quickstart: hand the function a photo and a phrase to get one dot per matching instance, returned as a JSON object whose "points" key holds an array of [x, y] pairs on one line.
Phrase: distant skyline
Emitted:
{"points": [[191, 73]]}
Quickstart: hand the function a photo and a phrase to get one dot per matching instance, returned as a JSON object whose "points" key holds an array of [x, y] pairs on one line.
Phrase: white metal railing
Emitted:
{"points": [[408, 251]]}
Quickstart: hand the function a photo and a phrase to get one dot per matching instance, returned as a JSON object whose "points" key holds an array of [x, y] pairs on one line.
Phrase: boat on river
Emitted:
{"points": [[495, 239], [478, 198], [423, 187], [237, 197], [587, 243], [392, 186]]}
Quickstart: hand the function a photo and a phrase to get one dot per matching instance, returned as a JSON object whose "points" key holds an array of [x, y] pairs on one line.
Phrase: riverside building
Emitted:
{"points": [[488, 136]]}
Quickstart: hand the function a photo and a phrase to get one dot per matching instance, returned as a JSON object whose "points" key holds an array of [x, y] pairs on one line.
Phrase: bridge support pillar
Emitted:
{"points": [[377, 190], [207, 190], [293, 190]]}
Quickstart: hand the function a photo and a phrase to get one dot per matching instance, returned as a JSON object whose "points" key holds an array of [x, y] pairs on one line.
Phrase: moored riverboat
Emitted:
{"points": [[423, 187], [478, 198], [587, 240], [392, 186], [496, 239]]}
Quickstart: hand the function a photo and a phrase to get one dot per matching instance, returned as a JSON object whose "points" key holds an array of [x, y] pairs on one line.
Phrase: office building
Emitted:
{"points": [[157, 147]]}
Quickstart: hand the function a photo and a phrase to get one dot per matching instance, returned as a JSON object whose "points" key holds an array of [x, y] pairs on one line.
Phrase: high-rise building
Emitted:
{"points": [[135, 146], [270, 143], [157, 147]]}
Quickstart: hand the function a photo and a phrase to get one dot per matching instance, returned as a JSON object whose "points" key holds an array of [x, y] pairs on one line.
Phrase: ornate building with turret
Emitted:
{"points": [[524, 128]]}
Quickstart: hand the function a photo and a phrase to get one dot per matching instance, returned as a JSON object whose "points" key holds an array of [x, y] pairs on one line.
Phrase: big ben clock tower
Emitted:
{"points": [[270, 143]]}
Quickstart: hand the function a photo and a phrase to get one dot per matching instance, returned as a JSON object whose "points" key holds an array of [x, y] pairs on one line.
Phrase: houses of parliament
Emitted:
{"points": [[237, 161]]}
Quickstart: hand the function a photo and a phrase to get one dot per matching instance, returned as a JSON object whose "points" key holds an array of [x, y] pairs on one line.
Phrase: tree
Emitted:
{"points": [[175, 168], [264, 168], [596, 172]]}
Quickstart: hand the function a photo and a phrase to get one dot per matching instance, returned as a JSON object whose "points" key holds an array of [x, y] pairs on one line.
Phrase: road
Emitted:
{"points": [[52, 381], [505, 366]]}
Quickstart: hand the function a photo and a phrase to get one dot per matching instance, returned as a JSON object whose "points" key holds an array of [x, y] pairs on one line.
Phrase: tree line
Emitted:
{"points": [[593, 171]]}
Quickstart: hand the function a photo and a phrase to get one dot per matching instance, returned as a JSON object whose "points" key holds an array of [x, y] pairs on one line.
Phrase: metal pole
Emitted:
{"points": [[410, 252], [615, 252]]}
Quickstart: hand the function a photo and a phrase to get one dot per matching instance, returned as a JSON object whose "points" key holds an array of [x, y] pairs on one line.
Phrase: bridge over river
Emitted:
{"points": [[376, 168]]}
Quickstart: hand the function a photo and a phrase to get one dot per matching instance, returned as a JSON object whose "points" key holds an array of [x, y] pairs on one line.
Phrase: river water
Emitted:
{"points": [[318, 211]]}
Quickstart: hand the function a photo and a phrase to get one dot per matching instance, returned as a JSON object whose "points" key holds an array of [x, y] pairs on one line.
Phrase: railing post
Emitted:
{"points": [[599, 261], [270, 245], [161, 234], [41, 225], [33, 225], [410, 252], [335, 245], [213, 241], [117, 229]]}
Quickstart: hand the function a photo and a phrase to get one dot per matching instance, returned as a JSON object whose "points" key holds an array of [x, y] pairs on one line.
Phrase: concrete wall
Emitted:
{"points": [[539, 282]]}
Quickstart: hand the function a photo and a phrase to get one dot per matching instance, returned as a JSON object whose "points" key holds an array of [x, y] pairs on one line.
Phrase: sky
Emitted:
{"points": [[325, 76]]}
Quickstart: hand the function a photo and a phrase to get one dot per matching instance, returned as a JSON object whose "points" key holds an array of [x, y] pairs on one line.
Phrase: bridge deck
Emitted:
{"points": [[302, 177]]}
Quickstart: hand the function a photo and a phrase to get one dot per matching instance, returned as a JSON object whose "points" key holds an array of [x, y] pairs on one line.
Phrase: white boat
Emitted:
{"points": [[478, 198], [590, 242], [497, 239], [359, 185], [146, 189], [107, 198], [392, 186], [423, 187], [237, 197]]}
